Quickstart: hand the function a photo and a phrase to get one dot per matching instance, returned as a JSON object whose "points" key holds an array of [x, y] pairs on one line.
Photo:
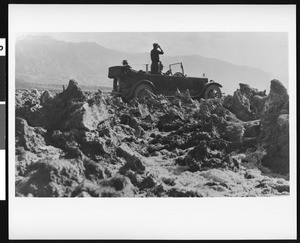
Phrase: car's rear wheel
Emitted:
{"points": [[212, 92], [116, 85], [143, 92]]}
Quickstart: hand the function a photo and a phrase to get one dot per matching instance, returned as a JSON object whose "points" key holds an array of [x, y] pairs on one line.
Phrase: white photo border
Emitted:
{"points": [[152, 218]]}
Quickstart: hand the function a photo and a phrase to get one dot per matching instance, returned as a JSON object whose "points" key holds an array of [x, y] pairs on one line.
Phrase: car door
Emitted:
{"points": [[164, 84], [183, 83]]}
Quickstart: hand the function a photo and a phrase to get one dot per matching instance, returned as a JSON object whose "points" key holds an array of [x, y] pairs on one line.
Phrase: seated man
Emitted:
{"points": [[125, 64], [127, 68]]}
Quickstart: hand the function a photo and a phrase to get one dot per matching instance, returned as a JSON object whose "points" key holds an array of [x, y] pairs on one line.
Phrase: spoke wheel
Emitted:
{"points": [[212, 92], [143, 92]]}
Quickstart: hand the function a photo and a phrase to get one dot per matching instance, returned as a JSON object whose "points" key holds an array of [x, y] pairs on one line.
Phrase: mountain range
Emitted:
{"points": [[44, 60]]}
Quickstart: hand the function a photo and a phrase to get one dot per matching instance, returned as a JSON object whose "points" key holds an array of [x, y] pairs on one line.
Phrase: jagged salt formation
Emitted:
{"points": [[78, 144]]}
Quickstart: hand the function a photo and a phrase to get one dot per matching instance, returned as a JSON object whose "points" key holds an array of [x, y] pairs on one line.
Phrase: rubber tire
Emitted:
{"points": [[211, 88], [140, 88], [116, 87]]}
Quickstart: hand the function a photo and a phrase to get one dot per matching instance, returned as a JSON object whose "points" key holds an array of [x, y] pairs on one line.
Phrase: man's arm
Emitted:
{"points": [[161, 50]]}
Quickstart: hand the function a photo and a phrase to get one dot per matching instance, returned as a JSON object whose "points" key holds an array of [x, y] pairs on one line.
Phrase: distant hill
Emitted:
{"points": [[44, 60], [59, 87]]}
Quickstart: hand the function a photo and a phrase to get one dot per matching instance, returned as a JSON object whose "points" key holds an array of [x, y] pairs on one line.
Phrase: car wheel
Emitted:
{"points": [[143, 92], [212, 92], [116, 85]]}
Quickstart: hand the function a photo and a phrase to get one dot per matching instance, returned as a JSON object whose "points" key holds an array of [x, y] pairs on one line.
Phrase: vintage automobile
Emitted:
{"points": [[129, 83]]}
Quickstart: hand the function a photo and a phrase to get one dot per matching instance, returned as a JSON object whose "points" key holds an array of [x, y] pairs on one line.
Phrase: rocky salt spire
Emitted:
{"points": [[275, 128], [246, 103], [73, 91]]}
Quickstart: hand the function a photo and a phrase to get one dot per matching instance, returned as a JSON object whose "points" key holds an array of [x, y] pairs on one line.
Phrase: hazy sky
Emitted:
{"points": [[265, 50]]}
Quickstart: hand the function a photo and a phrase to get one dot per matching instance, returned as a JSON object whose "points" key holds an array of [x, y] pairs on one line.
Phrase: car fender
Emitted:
{"points": [[133, 88]]}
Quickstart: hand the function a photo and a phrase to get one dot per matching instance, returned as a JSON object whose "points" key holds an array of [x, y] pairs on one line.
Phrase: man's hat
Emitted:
{"points": [[155, 44], [124, 62]]}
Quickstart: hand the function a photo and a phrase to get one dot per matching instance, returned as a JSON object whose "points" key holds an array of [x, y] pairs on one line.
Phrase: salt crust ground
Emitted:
{"points": [[76, 144]]}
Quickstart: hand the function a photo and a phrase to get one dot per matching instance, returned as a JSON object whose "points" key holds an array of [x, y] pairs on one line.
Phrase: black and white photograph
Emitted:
{"points": [[184, 114], [130, 122]]}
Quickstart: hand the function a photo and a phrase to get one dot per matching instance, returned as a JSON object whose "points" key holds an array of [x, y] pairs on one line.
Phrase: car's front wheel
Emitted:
{"points": [[143, 92], [212, 92]]}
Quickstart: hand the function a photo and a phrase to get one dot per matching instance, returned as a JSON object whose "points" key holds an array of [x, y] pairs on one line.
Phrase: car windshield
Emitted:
{"points": [[176, 68]]}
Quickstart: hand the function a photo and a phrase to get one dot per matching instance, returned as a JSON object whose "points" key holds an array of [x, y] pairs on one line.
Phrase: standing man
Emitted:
{"points": [[155, 58]]}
